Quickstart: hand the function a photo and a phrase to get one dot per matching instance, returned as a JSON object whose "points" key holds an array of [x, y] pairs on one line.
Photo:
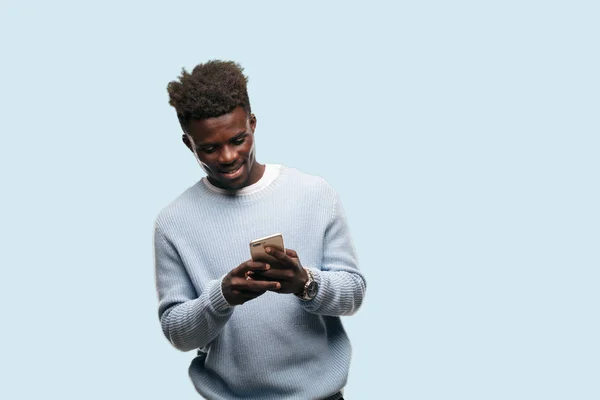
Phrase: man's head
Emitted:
{"points": [[214, 112]]}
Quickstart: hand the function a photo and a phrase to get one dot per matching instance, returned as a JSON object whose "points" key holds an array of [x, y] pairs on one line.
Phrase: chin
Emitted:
{"points": [[236, 185]]}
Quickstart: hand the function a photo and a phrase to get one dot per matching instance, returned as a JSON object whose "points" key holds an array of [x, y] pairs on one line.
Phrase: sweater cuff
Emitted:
{"points": [[217, 299]]}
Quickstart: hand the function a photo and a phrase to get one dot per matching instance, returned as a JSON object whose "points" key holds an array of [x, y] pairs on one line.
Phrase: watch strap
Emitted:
{"points": [[303, 295]]}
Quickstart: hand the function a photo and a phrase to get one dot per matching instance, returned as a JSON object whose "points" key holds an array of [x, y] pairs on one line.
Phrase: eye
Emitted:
{"points": [[208, 150], [239, 140]]}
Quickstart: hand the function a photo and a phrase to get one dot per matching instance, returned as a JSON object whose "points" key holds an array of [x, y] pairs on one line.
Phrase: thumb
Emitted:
{"points": [[291, 253]]}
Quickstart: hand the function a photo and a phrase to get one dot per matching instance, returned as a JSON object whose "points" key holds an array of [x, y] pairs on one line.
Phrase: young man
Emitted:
{"points": [[262, 330]]}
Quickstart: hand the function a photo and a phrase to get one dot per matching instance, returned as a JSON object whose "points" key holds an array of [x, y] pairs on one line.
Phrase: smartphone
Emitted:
{"points": [[257, 246]]}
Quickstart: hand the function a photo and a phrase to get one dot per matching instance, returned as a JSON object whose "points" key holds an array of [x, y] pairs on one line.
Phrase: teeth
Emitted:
{"points": [[232, 172]]}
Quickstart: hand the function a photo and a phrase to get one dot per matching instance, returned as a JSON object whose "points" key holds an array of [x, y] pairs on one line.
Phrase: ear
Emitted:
{"points": [[186, 141], [252, 122]]}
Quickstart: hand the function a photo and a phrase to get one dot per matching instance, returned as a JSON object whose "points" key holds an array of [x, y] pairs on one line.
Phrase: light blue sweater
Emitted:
{"points": [[275, 346]]}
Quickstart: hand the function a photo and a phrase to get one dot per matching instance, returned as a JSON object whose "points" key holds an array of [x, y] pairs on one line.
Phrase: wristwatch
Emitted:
{"points": [[310, 288]]}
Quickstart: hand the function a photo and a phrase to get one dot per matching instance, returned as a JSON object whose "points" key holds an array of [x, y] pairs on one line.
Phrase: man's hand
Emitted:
{"points": [[238, 289], [286, 269]]}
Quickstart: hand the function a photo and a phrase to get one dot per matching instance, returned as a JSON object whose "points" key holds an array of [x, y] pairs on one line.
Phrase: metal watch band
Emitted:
{"points": [[304, 294]]}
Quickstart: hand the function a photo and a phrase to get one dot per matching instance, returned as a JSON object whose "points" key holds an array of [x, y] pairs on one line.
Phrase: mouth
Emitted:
{"points": [[232, 173]]}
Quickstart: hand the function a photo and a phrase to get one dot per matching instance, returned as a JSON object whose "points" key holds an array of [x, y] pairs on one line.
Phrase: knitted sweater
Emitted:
{"points": [[275, 346]]}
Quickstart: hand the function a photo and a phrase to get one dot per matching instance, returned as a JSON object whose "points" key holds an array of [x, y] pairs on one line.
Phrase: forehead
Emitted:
{"points": [[218, 129]]}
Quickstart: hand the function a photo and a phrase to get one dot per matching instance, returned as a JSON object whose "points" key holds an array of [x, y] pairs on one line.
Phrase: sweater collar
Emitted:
{"points": [[271, 173]]}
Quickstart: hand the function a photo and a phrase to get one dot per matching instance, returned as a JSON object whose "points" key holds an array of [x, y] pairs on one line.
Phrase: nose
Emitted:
{"points": [[227, 155]]}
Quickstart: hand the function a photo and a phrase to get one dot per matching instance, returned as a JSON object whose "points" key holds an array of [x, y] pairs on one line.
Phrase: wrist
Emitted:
{"points": [[218, 297], [303, 280], [310, 287]]}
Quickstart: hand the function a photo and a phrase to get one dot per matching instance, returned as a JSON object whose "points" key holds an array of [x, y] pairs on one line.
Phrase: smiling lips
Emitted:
{"points": [[233, 173]]}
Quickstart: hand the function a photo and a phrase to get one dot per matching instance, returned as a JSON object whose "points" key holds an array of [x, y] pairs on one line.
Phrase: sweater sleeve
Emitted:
{"points": [[341, 285], [189, 320]]}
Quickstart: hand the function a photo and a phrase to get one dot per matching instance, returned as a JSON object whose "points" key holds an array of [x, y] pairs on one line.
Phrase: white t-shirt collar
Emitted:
{"points": [[271, 173]]}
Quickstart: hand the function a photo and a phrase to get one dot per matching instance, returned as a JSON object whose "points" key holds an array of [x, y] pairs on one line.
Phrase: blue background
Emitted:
{"points": [[463, 138]]}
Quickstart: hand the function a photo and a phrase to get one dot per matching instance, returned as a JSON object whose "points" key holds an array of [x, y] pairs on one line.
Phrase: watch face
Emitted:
{"points": [[311, 290]]}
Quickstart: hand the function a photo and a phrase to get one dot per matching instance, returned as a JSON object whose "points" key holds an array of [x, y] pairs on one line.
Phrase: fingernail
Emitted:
{"points": [[268, 250], [267, 266]]}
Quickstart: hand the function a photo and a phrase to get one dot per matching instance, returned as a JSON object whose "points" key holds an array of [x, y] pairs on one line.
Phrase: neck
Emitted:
{"points": [[257, 172]]}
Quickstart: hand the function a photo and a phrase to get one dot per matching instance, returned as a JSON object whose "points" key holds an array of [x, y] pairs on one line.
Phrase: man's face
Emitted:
{"points": [[224, 147]]}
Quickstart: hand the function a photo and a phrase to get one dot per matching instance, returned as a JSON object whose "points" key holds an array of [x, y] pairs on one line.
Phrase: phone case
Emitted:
{"points": [[257, 246]]}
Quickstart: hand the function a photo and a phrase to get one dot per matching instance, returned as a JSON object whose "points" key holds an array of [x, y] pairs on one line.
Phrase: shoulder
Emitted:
{"points": [[311, 192], [180, 207], [313, 184]]}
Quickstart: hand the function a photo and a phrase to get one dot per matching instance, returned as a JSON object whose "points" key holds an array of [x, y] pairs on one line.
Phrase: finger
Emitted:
{"points": [[250, 274], [247, 266], [253, 285], [275, 274], [291, 253], [278, 254]]}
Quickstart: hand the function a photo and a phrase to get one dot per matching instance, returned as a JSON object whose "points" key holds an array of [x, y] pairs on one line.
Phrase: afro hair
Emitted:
{"points": [[212, 89]]}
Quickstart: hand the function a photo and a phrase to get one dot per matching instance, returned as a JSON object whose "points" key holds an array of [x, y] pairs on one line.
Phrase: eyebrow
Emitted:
{"points": [[236, 137]]}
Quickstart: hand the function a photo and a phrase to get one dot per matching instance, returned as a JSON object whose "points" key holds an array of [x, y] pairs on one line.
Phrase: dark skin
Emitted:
{"points": [[286, 269], [224, 144], [237, 289]]}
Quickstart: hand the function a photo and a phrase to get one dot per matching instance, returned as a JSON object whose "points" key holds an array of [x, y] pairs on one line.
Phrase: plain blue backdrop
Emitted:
{"points": [[463, 138]]}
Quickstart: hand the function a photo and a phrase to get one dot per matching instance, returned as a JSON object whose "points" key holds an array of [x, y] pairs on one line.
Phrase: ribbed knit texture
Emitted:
{"points": [[275, 346]]}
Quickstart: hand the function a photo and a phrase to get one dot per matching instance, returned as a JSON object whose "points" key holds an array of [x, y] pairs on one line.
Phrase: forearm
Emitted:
{"points": [[340, 293], [189, 318], [341, 286], [195, 323]]}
